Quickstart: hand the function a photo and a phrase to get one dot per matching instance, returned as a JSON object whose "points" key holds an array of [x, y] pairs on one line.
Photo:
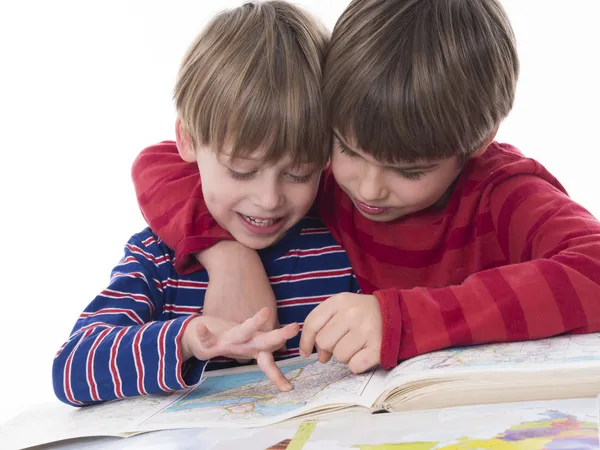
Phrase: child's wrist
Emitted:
{"points": [[185, 348]]}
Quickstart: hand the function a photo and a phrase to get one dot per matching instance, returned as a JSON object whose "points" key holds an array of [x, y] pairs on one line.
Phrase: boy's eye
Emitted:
{"points": [[240, 175], [347, 152], [409, 175], [300, 178]]}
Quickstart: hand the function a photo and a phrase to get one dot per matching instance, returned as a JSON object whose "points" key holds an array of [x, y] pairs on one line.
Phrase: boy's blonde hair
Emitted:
{"points": [[252, 81], [420, 79]]}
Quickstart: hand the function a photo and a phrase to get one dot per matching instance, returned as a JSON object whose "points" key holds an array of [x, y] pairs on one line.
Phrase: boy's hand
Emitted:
{"points": [[238, 286], [207, 337], [347, 326]]}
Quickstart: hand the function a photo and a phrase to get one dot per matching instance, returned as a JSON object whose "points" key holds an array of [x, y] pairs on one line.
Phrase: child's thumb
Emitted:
{"points": [[205, 336]]}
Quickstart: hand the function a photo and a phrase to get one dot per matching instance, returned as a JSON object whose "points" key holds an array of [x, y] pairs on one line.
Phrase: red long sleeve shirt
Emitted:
{"points": [[509, 256]]}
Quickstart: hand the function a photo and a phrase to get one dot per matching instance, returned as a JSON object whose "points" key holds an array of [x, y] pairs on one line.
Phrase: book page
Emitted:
{"points": [[569, 350], [555, 424], [245, 397], [238, 397], [56, 421]]}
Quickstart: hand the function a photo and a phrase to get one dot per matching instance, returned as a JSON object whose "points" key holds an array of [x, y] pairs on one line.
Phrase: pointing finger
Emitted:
{"points": [[267, 364]]}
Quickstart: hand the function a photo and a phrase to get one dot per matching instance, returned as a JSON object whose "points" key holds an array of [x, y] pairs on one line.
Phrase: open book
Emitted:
{"points": [[555, 368]]}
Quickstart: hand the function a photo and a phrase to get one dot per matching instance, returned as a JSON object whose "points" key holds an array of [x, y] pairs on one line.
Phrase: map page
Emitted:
{"points": [[246, 397]]}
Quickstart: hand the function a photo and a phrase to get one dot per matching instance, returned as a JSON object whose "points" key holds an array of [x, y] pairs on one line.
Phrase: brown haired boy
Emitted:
{"points": [[455, 239], [251, 117]]}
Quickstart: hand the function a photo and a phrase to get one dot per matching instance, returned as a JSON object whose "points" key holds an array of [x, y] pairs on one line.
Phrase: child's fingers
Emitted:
{"points": [[314, 322], [324, 355], [331, 334], [272, 340], [205, 336], [261, 341], [288, 332], [245, 330], [267, 364], [363, 360], [347, 347]]}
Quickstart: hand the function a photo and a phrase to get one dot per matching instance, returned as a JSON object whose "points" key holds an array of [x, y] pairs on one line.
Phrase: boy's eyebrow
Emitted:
{"points": [[408, 167]]}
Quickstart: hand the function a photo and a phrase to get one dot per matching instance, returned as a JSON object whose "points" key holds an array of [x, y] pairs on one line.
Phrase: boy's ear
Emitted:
{"points": [[185, 144]]}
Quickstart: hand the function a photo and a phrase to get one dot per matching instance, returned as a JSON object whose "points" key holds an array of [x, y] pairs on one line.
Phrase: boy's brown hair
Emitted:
{"points": [[252, 81], [420, 79]]}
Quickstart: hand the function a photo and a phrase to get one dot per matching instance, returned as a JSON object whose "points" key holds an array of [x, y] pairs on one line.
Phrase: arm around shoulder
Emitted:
{"points": [[239, 286]]}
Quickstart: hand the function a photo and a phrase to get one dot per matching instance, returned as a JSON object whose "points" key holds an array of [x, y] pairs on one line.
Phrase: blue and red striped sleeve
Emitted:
{"points": [[118, 348]]}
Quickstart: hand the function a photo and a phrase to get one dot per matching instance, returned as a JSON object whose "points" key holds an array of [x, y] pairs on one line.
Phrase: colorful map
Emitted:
{"points": [[556, 431], [247, 397]]}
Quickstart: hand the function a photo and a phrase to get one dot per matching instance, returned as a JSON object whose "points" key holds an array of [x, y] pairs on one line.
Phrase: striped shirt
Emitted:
{"points": [[508, 257], [127, 341]]}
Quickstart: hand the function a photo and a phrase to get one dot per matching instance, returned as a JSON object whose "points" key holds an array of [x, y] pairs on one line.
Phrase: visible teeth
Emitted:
{"points": [[259, 222]]}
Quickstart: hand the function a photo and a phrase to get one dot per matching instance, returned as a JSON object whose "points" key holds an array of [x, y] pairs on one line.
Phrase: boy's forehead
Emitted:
{"points": [[243, 156], [235, 148]]}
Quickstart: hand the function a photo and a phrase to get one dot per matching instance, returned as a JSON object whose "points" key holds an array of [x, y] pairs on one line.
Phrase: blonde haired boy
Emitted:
{"points": [[250, 118]]}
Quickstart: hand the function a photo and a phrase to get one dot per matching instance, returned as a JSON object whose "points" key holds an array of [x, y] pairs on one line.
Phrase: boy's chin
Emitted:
{"points": [[256, 242]]}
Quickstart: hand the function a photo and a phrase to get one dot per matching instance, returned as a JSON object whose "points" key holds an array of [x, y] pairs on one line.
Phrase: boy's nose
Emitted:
{"points": [[371, 187], [269, 199]]}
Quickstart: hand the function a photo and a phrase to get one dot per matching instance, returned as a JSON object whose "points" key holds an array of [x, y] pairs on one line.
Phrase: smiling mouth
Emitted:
{"points": [[260, 222]]}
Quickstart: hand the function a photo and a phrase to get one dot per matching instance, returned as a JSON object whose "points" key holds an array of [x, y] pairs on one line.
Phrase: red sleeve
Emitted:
{"points": [[169, 193], [550, 287]]}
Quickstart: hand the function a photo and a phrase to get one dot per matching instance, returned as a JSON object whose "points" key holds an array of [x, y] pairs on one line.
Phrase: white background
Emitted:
{"points": [[84, 86]]}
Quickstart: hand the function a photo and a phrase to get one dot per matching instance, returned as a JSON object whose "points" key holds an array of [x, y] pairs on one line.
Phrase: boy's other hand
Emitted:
{"points": [[238, 286], [347, 326], [207, 337]]}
